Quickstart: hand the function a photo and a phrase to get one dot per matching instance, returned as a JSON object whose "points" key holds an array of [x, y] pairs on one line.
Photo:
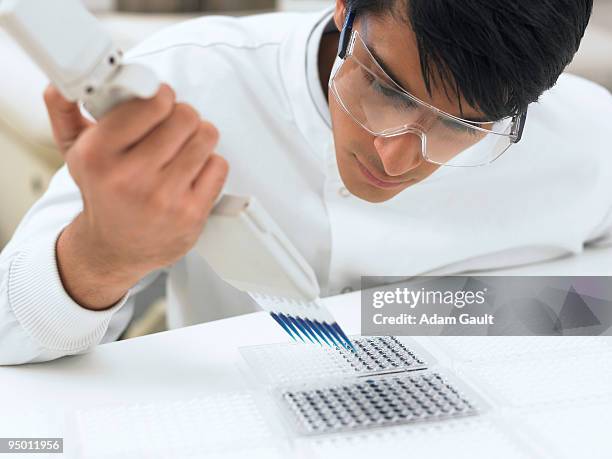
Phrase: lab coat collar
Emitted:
{"points": [[300, 75]]}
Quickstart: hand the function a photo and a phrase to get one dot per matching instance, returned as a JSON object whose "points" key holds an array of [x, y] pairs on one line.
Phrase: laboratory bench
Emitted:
{"points": [[190, 393]]}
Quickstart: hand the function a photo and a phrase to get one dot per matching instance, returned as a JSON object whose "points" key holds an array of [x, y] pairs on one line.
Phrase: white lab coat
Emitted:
{"points": [[256, 79]]}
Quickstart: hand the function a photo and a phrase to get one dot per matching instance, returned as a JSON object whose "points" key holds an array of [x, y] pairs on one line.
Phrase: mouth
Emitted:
{"points": [[375, 181]]}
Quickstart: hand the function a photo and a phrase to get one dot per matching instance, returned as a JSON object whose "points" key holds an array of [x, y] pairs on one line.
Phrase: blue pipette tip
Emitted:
{"points": [[314, 325], [310, 331], [344, 337], [298, 324], [323, 326], [282, 324], [289, 323]]}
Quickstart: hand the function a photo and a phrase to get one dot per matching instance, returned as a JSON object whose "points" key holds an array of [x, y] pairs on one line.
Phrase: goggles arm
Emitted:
{"points": [[345, 34], [519, 126]]}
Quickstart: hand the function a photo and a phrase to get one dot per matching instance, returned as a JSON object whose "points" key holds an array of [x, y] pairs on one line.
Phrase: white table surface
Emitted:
{"points": [[204, 360]]}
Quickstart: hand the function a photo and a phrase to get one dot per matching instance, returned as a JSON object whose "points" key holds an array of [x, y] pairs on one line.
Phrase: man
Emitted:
{"points": [[370, 177]]}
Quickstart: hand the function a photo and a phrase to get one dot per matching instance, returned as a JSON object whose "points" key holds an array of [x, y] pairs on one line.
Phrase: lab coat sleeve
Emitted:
{"points": [[39, 321]]}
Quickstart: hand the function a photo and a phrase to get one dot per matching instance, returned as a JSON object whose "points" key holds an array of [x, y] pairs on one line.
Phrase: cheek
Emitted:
{"points": [[348, 135]]}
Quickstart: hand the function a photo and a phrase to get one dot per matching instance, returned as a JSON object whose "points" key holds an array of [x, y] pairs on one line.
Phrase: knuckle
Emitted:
{"points": [[205, 140], [210, 132], [161, 105], [162, 203], [217, 173], [56, 103], [121, 183], [194, 215], [87, 152], [186, 115], [197, 151], [201, 141], [125, 183], [221, 165], [49, 95], [166, 90]]}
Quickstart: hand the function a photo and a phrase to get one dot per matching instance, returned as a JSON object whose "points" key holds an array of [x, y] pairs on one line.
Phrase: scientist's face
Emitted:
{"points": [[378, 168]]}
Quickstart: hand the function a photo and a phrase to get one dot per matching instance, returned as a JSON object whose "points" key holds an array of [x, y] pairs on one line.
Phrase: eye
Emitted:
{"points": [[460, 128], [395, 97]]}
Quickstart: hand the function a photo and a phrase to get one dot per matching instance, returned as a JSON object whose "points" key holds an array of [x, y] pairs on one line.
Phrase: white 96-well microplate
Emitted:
{"points": [[286, 363], [377, 401]]}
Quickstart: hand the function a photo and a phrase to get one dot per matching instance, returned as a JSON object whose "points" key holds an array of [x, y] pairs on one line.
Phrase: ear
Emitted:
{"points": [[340, 13]]}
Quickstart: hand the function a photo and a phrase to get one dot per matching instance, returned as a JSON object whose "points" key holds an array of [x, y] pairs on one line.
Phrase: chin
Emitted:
{"points": [[364, 190], [370, 194], [354, 182]]}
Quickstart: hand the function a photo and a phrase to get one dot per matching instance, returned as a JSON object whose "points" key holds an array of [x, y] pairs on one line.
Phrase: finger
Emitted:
{"points": [[66, 119], [127, 123], [161, 145], [181, 172], [209, 183]]}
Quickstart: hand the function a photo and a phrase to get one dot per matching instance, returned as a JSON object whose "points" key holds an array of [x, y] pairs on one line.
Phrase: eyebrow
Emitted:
{"points": [[406, 88]]}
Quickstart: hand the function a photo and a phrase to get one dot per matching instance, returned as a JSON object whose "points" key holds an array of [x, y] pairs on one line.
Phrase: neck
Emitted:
{"points": [[328, 50]]}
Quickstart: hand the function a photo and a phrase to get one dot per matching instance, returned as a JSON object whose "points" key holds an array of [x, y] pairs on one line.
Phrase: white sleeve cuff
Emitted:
{"points": [[44, 309]]}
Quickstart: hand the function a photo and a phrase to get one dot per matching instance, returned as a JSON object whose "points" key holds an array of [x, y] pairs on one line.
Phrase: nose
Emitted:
{"points": [[399, 154]]}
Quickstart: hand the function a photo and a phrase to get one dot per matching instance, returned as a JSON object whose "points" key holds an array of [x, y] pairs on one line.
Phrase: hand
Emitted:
{"points": [[148, 176]]}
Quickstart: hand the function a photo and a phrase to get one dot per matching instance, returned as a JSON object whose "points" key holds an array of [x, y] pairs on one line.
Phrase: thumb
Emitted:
{"points": [[66, 119]]}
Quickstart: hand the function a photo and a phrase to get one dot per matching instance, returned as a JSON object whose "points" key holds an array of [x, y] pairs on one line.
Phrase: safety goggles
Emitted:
{"points": [[383, 108]]}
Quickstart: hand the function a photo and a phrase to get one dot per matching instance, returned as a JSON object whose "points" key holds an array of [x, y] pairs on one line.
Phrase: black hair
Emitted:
{"points": [[500, 55]]}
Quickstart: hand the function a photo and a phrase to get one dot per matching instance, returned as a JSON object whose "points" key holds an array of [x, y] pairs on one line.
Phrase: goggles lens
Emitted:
{"points": [[379, 105]]}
